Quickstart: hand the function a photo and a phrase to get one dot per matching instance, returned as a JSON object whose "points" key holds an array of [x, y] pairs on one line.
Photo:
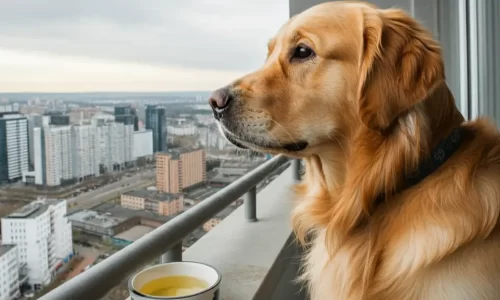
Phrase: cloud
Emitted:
{"points": [[211, 35], [41, 72]]}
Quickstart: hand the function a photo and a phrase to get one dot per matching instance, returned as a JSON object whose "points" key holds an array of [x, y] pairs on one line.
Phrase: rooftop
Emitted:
{"points": [[5, 248], [34, 209], [91, 217], [176, 152], [119, 211], [202, 193], [134, 233], [153, 195], [11, 115], [142, 131]]}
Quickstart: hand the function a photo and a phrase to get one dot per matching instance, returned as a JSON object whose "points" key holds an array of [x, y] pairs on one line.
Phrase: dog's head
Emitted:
{"points": [[330, 70]]}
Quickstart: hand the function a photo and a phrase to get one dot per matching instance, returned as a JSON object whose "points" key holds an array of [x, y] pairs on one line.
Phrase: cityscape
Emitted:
{"points": [[106, 133], [85, 175]]}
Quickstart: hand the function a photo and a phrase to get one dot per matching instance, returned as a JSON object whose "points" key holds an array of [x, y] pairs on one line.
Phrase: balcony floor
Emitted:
{"points": [[257, 260]]}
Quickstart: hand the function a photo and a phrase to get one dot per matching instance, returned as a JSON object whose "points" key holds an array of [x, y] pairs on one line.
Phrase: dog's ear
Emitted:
{"points": [[400, 65]]}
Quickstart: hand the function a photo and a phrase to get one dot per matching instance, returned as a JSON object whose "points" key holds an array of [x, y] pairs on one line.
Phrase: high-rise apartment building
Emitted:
{"points": [[59, 119], [179, 169], [7, 108], [82, 114], [127, 115], [14, 150], [35, 121], [42, 235], [157, 123], [53, 155], [85, 150], [65, 154], [116, 145]]}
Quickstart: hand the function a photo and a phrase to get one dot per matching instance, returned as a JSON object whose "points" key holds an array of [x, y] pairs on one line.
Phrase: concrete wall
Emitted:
{"points": [[441, 17], [466, 30]]}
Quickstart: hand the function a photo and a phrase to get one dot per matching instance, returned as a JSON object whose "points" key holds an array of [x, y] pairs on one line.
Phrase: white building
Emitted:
{"points": [[211, 138], [116, 144], [205, 120], [10, 280], [35, 121], [14, 154], [128, 143], [42, 235], [6, 108], [182, 129], [64, 153], [52, 151], [85, 151], [143, 143], [38, 156]]}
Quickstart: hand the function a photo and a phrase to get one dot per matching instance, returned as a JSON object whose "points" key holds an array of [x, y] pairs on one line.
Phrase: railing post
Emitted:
{"points": [[172, 255], [296, 169], [251, 205]]}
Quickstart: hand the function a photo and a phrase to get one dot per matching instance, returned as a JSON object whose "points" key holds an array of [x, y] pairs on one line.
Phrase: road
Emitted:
{"points": [[110, 191]]}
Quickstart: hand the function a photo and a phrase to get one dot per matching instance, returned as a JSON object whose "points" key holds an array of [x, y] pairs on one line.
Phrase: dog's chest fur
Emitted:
{"points": [[457, 277]]}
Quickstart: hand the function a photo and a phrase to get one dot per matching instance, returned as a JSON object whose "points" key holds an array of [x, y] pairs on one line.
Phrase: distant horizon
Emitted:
{"points": [[110, 92], [131, 46]]}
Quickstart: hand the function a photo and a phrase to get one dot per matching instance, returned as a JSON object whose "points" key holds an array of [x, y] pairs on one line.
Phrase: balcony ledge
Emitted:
{"points": [[254, 257], [257, 260]]}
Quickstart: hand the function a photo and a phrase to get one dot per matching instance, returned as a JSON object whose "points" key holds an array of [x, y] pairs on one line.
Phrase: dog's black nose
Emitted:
{"points": [[220, 100]]}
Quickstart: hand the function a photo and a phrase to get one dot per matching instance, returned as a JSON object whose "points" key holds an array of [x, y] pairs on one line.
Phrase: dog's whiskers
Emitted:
{"points": [[287, 132], [278, 142]]}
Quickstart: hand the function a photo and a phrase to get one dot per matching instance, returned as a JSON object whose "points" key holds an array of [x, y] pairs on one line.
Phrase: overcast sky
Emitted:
{"points": [[132, 45]]}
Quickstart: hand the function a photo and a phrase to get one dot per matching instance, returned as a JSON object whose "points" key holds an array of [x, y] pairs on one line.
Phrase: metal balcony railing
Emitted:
{"points": [[166, 241]]}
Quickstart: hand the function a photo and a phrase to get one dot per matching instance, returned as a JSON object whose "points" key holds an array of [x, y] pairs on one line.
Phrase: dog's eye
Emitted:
{"points": [[302, 52]]}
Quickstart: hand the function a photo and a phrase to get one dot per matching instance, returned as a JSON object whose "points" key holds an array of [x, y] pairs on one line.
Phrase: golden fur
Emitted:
{"points": [[371, 104]]}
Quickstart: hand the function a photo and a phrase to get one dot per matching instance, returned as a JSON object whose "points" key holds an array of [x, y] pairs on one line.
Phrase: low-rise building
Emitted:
{"points": [[166, 204], [225, 175], [95, 223], [143, 217], [117, 224], [139, 223], [195, 196], [131, 235]]}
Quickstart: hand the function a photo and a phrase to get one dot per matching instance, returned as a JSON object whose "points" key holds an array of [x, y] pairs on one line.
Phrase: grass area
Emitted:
{"points": [[8, 206], [30, 192]]}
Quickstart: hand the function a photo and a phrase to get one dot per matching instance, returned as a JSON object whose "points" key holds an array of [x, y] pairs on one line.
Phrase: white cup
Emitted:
{"points": [[183, 268]]}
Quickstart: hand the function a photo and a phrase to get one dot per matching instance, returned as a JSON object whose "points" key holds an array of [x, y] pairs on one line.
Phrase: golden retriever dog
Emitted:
{"points": [[401, 196]]}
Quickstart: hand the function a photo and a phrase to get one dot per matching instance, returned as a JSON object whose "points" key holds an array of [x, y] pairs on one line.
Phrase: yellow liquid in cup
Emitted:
{"points": [[174, 286]]}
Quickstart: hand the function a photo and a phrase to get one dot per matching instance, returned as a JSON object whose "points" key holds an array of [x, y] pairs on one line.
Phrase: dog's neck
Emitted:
{"points": [[375, 164]]}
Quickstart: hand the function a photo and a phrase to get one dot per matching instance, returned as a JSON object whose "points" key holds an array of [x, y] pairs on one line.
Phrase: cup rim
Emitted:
{"points": [[135, 291]]}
